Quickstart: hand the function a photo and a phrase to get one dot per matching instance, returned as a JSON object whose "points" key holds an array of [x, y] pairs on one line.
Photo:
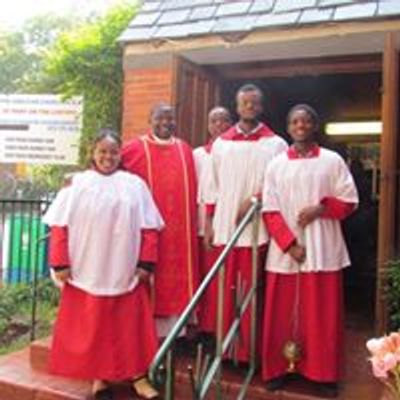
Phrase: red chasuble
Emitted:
{"points": [[168, 169]]}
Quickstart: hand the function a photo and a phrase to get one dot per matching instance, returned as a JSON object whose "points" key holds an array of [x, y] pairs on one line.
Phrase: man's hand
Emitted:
{"points": [[62, 275], [208, 234], [244, 207], [297, 252], [143, 275], [309, 214]]}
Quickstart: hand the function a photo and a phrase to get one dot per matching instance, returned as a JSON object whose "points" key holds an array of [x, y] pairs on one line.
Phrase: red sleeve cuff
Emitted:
{"points": [[336, 209], [258, 196], [210, 210], [278, 230], [58, 247], [149, 246]]}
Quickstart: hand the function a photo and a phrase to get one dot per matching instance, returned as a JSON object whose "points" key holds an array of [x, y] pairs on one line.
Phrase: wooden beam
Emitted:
{"points": [[388, 166], [300, 67]]}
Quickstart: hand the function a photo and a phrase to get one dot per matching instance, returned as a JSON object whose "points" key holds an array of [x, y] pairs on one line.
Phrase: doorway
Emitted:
{"points": [[337, 98], [341, 89]]}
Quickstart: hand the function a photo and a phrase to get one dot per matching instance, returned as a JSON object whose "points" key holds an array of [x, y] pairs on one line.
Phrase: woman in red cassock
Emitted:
{"points": [[307, 191], [103, 248]]}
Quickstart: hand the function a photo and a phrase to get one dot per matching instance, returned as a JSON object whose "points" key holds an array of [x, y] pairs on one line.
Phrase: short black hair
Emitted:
{"points": [[306, 108], [107, 133], [250, 87], [221, 109], [159, 106]]}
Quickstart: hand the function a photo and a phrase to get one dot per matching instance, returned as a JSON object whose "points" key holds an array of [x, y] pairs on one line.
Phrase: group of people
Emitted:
{"points": [[132, 237]]}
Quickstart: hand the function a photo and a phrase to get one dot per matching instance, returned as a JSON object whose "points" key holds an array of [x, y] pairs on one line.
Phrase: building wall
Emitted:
{"points": [[143, 88]]}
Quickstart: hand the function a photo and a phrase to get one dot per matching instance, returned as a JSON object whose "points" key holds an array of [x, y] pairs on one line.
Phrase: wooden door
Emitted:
{"points": [[195, 92]]}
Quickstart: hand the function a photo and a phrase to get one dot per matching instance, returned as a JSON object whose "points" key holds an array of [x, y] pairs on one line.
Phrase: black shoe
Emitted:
{"points": [[330, 389], [104, 394], [208, 341], [277, 383]]}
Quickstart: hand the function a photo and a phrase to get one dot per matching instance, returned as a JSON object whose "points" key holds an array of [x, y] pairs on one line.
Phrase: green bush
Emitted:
{"points": [[392, 292], [16, 313]]}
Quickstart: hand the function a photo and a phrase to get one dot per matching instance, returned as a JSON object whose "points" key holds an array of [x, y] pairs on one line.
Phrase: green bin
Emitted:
{"points": [[22, 250]]}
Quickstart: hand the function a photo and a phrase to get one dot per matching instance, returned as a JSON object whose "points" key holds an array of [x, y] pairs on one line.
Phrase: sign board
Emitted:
{"points": [[40, 129]]}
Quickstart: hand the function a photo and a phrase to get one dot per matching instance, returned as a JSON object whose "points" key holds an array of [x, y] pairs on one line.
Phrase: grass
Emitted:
{"points": [[16, 314]]}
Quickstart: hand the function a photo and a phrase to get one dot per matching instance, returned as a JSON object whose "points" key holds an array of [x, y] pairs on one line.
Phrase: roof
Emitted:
{"points": [[180, 19]]}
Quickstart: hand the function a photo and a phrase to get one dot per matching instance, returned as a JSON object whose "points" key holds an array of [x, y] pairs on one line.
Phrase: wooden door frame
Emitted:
{"points": [[388, 179], [299, 67], [387, 64], [209, 93]]}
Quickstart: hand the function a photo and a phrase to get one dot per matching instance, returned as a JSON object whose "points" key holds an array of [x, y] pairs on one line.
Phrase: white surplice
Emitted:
{"points": [[235, 173], [104, 215], [293, 184], [201, 158]]}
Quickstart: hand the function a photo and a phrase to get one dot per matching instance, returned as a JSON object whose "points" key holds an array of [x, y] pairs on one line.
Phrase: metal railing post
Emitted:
{"points": [[253, 309], [214, 372], [220, 330]]}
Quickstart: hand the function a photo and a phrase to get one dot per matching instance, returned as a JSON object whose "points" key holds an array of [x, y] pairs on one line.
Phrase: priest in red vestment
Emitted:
{"points": [[166, 163]]}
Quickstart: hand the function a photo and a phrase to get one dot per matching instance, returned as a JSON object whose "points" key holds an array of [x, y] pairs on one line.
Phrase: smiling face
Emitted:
{"points": [[249, 105], [301, 126], [219, 121], [106, 155], [163, 122]]}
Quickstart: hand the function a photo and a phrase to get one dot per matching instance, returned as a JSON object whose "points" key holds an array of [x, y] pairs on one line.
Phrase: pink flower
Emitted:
{"points": [[376, 345], [381, 366], [378, 368], [385, 360]]}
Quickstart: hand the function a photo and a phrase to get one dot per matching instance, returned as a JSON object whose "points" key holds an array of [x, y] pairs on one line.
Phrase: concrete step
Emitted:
{"points": [[18, 381], [358, 385], [39, 354], [23, 376]]}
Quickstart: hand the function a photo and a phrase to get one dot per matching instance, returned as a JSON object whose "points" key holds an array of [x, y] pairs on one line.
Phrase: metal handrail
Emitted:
{"points": [[222, 343], [35, 291]]}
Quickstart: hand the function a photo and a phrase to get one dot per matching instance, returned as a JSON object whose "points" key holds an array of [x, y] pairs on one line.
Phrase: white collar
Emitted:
{"points": [[159, 140]]}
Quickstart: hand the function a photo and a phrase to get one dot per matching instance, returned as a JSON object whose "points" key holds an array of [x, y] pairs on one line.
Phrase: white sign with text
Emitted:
{"points": [[40, 129]]}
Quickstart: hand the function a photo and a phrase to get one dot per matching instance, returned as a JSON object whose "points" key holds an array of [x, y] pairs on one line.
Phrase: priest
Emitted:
{"points": [[166, 163]]}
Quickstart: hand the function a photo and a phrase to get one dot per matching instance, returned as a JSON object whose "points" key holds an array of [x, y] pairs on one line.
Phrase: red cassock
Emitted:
{"points": [[102, 337], [207, 258], [320, 317], [168, 169], [209, 302]]}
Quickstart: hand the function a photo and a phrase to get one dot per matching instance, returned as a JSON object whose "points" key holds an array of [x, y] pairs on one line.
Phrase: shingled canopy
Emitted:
{"points": [[191, 18]]}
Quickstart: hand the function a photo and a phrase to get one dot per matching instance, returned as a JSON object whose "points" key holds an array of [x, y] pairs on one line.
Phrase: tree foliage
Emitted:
{"points": [[72, 57], [22, 51], [87, 61], [14, 62]]}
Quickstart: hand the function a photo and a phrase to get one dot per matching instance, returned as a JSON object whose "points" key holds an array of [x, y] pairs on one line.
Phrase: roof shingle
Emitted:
{"points": [[182, 18]]}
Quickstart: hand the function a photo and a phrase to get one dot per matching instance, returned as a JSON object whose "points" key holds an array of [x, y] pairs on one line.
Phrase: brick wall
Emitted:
{"points": [[143, 88]]}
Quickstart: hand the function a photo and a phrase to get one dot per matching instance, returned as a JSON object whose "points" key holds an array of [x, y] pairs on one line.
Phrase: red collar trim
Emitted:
{"points": [[208, 146], [234, 134], [312, 153]]}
